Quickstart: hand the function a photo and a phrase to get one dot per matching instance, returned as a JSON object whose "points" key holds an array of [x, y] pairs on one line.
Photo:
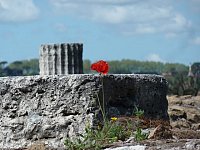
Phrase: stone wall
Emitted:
{"points": [[50, 108]]}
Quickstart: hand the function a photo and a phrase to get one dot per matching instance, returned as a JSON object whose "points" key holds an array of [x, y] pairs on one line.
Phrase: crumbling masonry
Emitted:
{"points": [[61, 59]]}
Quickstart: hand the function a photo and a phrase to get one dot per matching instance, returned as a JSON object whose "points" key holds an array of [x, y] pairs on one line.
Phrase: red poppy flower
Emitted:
{"points": [[101, 67]]}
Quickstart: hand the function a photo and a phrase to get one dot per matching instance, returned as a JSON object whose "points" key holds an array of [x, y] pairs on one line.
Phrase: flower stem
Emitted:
{"points": [[103, 100]]}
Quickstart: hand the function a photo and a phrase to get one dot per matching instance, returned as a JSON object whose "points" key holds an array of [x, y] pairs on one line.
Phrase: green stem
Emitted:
{"points": [[101, 108], [103, 101]]}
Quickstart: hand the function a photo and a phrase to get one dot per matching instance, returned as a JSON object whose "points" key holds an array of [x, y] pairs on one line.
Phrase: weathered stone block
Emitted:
{"points": [[61, 59], [50, 108]]}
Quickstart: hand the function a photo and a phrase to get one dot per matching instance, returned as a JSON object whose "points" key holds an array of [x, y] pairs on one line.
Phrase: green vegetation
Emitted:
{"points": [[19, 68], [95, 139], [176, 74], [138, 112], [139, 135]]}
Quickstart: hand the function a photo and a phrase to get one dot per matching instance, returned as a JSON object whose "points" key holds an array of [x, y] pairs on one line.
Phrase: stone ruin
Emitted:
{"points": [[58, 59], [52, 107]]}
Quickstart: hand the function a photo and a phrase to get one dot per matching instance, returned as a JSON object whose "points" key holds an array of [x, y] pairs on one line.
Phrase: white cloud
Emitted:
{"points": [[154, 57], [113, 16], [61, 27], [145, 29], [196, 41], [170, 35], [17, 10], [128, 16]]}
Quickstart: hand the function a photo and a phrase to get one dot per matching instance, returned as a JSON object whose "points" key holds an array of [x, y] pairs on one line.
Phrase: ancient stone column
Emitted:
{"points": [[61, 59]]}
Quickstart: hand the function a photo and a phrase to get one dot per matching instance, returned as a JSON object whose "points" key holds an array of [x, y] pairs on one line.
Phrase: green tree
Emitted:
{"points": [[24, 67], [2, 66], [196, 79], [30, 67], [196, 68], [86, 66]]}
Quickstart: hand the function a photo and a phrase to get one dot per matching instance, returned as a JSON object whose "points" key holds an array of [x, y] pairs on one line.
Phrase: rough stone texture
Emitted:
{"points": [[136, 147], [61, 59], [184, 111], [51, 108], [166, 144]]}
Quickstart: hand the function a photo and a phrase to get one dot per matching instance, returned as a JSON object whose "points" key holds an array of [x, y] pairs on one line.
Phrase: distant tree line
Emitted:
{"points": [[127, 66], [19, 68], [179, 82]]}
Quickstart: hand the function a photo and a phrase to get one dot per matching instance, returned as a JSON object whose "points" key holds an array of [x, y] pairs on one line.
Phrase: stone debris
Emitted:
{"points": [[136, 147], [184, 111], [160, 132]]}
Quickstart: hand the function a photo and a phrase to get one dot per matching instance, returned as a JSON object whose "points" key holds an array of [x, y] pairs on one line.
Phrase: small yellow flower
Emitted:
{"points": [[114, 118]]}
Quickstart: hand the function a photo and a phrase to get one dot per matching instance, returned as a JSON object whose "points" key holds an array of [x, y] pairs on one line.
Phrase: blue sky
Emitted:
{"points": [[154, 30]]}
